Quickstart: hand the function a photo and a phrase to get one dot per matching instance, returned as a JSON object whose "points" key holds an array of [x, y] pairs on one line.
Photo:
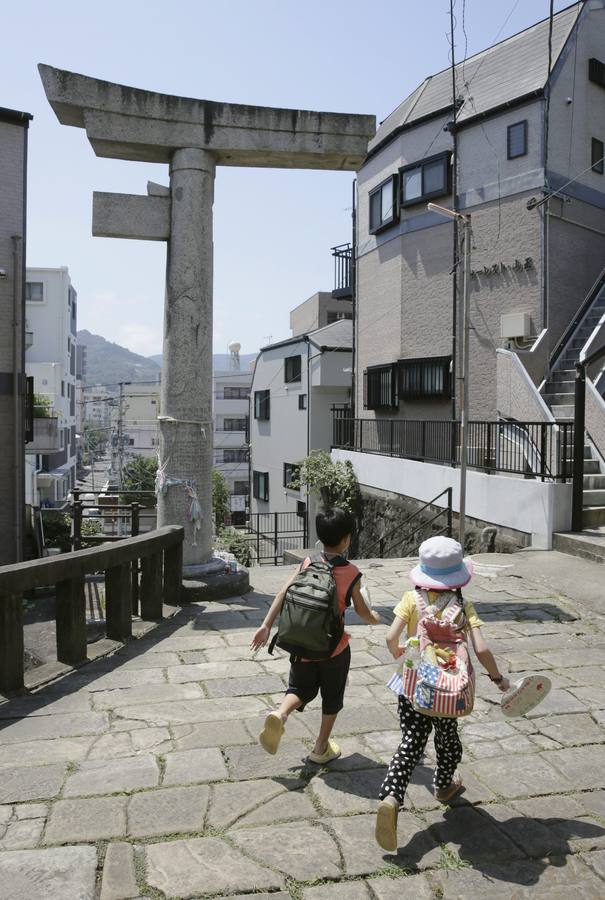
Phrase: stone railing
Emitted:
{"points": [[161, 558]]}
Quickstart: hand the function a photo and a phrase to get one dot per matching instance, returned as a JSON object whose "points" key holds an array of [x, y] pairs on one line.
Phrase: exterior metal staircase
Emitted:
{"points": [[558, 394]]}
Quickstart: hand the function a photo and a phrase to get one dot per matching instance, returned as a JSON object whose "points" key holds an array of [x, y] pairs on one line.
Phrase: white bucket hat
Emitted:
{"points": [[441, 566]]}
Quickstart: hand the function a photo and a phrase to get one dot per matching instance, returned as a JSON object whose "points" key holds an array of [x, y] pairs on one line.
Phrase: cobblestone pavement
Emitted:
{"points": [[140, 775]]}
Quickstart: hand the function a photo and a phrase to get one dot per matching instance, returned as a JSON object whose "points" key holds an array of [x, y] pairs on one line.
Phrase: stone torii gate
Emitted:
{"points": [[193, 137]]}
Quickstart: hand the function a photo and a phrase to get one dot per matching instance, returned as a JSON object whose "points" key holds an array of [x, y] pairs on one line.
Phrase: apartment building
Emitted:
{"points": [[518, 147], [13, 182], [231, 393], [51, 311], [134, 420], [517, 134], [296, 384]]}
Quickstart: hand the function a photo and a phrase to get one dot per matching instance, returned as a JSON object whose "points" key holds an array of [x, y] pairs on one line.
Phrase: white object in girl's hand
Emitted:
{"points": [[365, 593], [525, 695]]}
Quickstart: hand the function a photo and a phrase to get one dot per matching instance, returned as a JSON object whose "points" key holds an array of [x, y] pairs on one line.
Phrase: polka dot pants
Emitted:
{"points": [[415, 730]]}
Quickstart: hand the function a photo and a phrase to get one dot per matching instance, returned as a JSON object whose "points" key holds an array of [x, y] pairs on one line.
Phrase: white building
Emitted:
{"points": [[231, 393], [295, 385], [138, 406], [51, 313]]}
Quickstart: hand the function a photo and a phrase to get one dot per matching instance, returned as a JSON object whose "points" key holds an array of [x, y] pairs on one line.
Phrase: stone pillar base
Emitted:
{"points": [[213, 585]]}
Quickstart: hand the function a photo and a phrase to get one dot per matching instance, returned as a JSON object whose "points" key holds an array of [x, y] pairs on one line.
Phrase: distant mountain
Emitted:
{"points": [[219, 360], [109, 363]]}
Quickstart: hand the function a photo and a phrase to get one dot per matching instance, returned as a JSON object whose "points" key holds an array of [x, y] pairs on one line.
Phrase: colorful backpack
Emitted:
{"points": [[443, 681], [310, 622]]}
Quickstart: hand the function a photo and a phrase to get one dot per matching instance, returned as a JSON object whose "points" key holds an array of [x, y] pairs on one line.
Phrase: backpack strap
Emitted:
{"points": [[422, 604]]}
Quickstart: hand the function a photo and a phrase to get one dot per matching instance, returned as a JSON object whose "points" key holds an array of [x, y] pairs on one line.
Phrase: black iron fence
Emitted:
{"points": [[342, 270], [272, 534], [531, 449]]}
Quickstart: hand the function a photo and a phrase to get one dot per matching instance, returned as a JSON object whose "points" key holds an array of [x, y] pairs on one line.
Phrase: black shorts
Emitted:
{"points": [[326, 675]]}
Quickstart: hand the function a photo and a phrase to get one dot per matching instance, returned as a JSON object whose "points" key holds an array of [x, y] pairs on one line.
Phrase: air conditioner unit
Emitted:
{"points": [[515, 325]]}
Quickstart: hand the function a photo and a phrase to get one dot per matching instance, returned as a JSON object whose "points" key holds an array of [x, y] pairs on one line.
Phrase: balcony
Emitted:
{"points": [[343, 255], [47, 437]]}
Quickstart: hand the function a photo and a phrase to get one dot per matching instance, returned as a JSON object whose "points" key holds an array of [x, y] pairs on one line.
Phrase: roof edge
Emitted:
{"points": [[15, 117]]}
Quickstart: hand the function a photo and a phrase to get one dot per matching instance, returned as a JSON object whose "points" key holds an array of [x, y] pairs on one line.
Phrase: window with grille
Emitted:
{"points": [[238, 454], [383, 204], [234, 425], [596, 155], [260, 485], [425, 378], [302, 401], [426, 179], [236, 393], [262, 404], [516, 140], [292, 369], [380, 387], [291, 472]]}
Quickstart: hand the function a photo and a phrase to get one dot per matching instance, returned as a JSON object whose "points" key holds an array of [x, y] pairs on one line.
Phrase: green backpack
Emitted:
{"points": [[310, 623]]}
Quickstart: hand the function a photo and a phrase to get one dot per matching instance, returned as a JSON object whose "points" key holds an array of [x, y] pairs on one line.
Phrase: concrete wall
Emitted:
{"points": [[533, 507], [595, 417], [12, 170], [517, 395]]}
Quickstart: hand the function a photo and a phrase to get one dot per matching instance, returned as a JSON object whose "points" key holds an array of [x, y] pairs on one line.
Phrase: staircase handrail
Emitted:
{"points": [[588, 301], [526, 444], [414, 515]]}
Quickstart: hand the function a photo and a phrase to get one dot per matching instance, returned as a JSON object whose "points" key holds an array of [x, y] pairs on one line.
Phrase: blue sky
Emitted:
{"points": [[273, 228]]}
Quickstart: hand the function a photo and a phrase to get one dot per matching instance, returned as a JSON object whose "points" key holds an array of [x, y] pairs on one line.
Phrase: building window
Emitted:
{"points": [[292, 369], [291, 473], [235, 393], [262, 405], [301, 509], [426, 179], [596, 71], [260, 485], [34, 291], [380, 387], [240, 488], [234, 425], [302, 401], [596, 155], [383, 205], [236, 455], [62, 388], [428, 377], [516, 140]]}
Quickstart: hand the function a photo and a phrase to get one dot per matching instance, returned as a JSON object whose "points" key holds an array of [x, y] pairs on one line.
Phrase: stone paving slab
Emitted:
{"points": [[287, 849], [211, 734], [179, 810], [123, 774], [50, 727], [232, 801], [239, 687], [253, 762], [156, 693], [61, 873], [204, 866], [31, 783], [93, 819], [209, 671], [179, 713], [190, 766], [119, 882], [44, 752]]}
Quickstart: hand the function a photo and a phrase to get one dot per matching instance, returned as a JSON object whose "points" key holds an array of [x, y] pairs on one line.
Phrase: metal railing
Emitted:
{"points": [[529, 449], [428, 520], [274, 533], [160, 555], [342, 270], [591, 296]]}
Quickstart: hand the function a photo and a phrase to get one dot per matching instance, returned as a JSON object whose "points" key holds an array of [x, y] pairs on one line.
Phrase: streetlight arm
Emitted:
{"points": [[444, 211]]}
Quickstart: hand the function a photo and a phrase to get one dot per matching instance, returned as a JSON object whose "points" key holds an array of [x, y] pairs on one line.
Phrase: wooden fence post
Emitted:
{"points": [[173, 574], [11, 642], [118, 603], [71, 621], [151, 587]]}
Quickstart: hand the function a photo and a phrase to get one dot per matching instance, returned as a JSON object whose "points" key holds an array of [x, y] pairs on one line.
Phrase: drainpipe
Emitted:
{"points": [[19, 449], [353, 281]]}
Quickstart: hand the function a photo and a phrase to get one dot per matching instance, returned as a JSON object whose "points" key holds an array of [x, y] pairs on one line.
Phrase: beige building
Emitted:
{"points": [[518, 134]]}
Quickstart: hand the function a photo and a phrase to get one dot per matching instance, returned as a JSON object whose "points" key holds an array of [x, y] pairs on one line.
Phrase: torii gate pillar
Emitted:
{"points": [[193, 137]]}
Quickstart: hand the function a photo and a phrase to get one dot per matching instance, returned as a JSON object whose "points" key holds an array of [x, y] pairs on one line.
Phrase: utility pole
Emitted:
{"points": [[121, 435], [465, 221]]}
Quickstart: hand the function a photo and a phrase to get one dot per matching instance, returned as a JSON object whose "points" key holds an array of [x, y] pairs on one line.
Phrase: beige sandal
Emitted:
{"points": [[444, 795], [331, 752], [386, 824], [271, 734]]}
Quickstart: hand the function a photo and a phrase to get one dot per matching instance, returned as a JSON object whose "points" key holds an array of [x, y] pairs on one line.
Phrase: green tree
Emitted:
{"points": [[335, 483], [220, 498], [139, 475]]}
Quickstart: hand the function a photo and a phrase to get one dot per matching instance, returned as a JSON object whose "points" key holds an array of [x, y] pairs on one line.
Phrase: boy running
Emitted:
{"points": [[327, 676]]}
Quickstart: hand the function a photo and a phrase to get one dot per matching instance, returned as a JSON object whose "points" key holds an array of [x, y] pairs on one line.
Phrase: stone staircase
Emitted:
{"points": [[558, 394]]}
